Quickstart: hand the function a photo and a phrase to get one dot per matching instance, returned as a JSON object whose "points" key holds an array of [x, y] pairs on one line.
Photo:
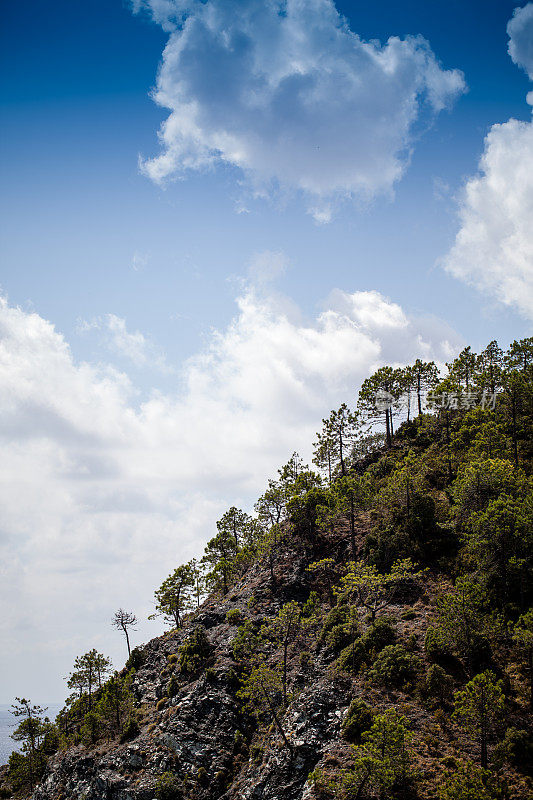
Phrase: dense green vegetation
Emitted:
{"points": [[439, 504]]}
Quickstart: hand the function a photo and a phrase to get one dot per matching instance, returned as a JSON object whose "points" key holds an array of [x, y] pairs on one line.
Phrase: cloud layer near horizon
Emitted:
{"points": [[286, 92], [493, 250], [102, 496]]}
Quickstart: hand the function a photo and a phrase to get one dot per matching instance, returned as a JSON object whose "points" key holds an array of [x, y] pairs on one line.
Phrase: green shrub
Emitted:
{"points": [[136, 659], [168, 787], [221, 778], [161, 704], [437, 684], [232, 679], [173, 687], [409, 614], [245, 642], [318, 781], [338, 637], [387, 544], [394, 666], [130, 729], [435, 646], [358, 719], [468, 782], [305, 660], [172, 659], [364, 650], [352, 657], [91, 728], [210, 675], [202, 776], [239, 742], [311, 605], [234, 616], [256, 753], [193, 654], [339, 615], [517, 748], [378, 636]]}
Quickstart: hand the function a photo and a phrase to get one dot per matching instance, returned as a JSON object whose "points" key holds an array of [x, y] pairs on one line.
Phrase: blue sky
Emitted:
{"points": [[77, 113], [219, 299]]}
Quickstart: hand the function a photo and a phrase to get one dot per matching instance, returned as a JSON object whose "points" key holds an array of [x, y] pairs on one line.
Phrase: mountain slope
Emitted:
{"points": [[369, 634]]}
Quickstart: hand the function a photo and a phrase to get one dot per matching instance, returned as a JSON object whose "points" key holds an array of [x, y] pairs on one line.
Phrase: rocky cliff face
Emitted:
{"points": [[203, 735]]}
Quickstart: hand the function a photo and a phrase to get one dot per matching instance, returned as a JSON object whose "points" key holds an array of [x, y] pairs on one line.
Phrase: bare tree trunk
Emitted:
{"points": [[341, 447], [515, 437], [387, 424], [276, 720], [271, 565], [530, 661], [448, 446], [352, 527]]}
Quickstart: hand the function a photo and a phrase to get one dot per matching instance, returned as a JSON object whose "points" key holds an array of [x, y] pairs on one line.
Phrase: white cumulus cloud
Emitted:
{"points": [[101, 497], [493, 250], [287, 93], [520, 30]]}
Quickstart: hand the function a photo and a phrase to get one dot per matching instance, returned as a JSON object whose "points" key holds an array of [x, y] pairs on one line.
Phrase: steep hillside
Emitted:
{"points": [[369, 634]]}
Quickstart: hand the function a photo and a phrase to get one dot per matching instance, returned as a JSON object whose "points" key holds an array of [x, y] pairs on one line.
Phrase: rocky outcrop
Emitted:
{"points": [[202, 734]]}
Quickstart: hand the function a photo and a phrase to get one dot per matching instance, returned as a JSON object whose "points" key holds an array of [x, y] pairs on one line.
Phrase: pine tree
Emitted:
{"points": [[489, 368], [174, 596], [523, 637], [285, 629], [89, 672], [337, 437], [30, 732], [378, 398], [371, 589], [477, 709], [495, 539], [423, 376], [235, 524], [219, 559], [263, 692], [115, 704], [461, 622], [462, 370], [520, 355]]}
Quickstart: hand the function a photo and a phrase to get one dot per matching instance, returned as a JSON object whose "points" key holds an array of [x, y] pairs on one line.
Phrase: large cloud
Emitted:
{"points": [[493, 250], [286, 92], [520, 30], [101, 497]]}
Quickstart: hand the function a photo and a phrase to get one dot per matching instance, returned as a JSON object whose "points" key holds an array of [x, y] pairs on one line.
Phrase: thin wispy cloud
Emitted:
{"points": [[131, 345], [139, 261]]}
